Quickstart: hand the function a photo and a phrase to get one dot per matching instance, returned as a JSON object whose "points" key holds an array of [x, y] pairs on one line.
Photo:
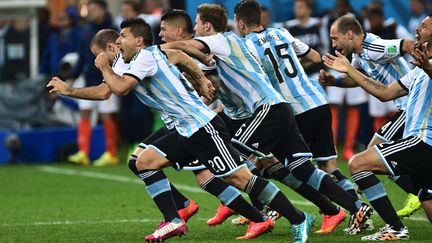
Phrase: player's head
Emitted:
{"points": [[345, 33], [135, 34], [247, 14], [424, 32], [105, 41], [302, 8], [210, 19], [176, 25]]}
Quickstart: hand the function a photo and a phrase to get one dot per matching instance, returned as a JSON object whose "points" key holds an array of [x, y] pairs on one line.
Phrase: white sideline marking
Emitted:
{"points": [[110, 177], [67, 222], [104, 176]]}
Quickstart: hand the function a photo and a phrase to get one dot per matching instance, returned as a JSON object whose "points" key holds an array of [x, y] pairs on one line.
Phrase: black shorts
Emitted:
{"points": [[394, 128], [193, 164], [409, 156], [211, 145], [232, 125], [273, 129], [316, 127]]}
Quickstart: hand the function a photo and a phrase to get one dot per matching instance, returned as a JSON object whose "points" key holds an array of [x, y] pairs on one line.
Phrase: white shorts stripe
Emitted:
{"points": [[221, 146], [254, 124], [395, 127]]}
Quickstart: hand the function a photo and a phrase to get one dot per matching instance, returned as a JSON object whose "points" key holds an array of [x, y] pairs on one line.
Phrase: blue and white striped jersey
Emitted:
{"points": [[162, 87], [278, 52], [382, 60], [119, 67], [419, 104], [244, 85]]}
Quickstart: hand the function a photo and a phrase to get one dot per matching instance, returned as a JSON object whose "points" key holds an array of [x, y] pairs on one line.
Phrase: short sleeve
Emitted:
{"points": [[381, 50], [216, 44], [142, 66], [300, 48], [408, 79]]}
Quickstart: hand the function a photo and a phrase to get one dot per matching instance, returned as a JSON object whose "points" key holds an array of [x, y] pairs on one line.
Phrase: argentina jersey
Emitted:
{"points": [[278, 52], [162, 87], [419, 104], [119, 67], [244, 86], [382, 60]]}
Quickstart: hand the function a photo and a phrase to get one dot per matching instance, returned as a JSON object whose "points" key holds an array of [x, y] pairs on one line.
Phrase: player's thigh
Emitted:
{"points": [[368, 160], [409, 155], [393, 129], [170, 150], [315, 126], [211, 145]]}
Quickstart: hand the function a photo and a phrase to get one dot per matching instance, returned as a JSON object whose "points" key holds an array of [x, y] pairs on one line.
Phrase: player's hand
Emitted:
{"points": [[326, 79], [207, 89], [339, 62], [208, 60], [421, 57], [101, 60], [59, 87]]}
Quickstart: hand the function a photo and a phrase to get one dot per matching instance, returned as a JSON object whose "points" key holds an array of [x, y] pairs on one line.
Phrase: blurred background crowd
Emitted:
{"points": [[40, 39]]}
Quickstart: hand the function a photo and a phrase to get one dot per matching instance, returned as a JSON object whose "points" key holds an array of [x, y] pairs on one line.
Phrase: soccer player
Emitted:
{"points": [[272, 127], [176, 25], [228, 194], [279, 53], [160, 85], [408, 155], [382, 60]]}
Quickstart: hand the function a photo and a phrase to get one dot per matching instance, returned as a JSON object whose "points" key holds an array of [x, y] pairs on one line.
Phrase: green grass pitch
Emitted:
{"points": [[64, 203]]}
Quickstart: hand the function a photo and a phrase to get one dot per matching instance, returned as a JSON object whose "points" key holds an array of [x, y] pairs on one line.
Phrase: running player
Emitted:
{"points": [[160, 85], [106, 39], [408, 155], [279, 54], [382, 60]]}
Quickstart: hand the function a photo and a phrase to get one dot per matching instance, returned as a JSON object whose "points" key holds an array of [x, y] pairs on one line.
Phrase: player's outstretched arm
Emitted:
{"points": [[313, 57], [193, 48], [327, 79], [100, 92], [187, 65], [382, 92], [118, 85]]}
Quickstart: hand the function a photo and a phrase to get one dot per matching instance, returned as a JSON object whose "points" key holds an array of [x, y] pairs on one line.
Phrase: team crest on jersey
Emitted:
{"points": [[391, 50]]}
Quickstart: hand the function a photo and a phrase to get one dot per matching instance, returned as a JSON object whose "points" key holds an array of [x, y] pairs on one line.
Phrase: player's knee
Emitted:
{"points": [[239, 179], [203, 176], [356, 164]]}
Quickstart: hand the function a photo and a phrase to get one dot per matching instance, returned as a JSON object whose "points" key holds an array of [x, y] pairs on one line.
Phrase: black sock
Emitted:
{"points": [[158, 187], [343, 182], [256, 203], [303, 170], [282, 174], [179, 199], [377, 196], [405, 182], [232, 198], [317, 198], [270, 195]]}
